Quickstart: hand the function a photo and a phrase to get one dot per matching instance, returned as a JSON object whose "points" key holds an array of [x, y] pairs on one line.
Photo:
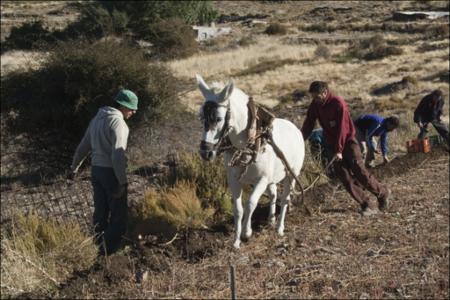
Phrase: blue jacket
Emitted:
{"points": [[373, 125]]}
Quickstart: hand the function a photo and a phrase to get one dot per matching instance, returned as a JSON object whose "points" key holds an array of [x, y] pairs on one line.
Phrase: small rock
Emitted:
{"points": [[294, 282], [141, 276], [269, 285], [364, 296]]}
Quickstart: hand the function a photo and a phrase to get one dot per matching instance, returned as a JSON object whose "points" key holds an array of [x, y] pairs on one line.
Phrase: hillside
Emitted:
{"points": [[379, 65]]}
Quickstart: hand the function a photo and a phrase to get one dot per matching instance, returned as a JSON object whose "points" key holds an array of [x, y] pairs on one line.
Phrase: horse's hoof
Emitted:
{"points": [[272, 221], [247, 235], [280, 231], [237, 245]]}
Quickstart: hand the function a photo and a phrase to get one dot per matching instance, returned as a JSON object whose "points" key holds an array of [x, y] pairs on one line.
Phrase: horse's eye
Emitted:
{"points": [[218, 119]]}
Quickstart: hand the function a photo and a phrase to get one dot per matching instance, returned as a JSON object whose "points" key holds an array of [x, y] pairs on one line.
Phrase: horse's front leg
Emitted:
{"points": [[285, 198], [272, 190], [257, 192], [238, 211]]}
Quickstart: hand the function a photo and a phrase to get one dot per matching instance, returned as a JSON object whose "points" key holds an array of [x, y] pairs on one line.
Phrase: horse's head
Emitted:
{"points": [[215, 115]]}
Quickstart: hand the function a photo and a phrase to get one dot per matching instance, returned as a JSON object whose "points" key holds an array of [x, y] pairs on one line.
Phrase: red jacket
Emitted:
{"points": [[335, 120]]}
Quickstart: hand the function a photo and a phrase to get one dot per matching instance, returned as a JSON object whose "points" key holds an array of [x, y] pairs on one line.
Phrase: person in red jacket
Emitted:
{"points": [[339, 134]]}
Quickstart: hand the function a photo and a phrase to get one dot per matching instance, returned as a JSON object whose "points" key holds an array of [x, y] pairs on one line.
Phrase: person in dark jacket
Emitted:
{"points": [[428, 111], [339, 133], [370, 126]]}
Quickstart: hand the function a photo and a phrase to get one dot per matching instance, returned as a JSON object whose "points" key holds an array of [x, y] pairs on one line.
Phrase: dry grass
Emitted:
{"points": [[228, 62], [178, 205], [38, 255]]}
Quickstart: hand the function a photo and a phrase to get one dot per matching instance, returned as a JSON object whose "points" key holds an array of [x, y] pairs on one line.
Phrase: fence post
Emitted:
{"points": [[233, 282]]}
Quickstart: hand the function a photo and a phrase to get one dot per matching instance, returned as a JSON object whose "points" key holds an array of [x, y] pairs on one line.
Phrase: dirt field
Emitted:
{"points": [[334, 253]]}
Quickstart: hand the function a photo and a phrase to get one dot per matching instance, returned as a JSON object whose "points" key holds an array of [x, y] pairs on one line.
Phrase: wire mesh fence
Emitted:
{"points": [[47, 191], [33, 181]]}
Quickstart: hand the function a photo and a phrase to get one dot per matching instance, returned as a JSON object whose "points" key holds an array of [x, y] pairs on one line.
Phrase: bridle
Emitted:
{"points": [[223, 144]]}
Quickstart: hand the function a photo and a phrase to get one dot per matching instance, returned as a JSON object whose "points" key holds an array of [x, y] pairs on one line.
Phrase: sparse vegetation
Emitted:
{"points": [[276, 29], [373, 48], [266, 65], [322, 51], [38, 255]]}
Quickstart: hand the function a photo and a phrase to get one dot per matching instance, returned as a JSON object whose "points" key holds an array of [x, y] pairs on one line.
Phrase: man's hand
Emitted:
{"points": [[376, 151], [337, 156], [119, 191]]}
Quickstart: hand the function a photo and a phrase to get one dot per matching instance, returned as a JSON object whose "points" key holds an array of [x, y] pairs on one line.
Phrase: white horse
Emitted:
{"points": [[225, 112]]}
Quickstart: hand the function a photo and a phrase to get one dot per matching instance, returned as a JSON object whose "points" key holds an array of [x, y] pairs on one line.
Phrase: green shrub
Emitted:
{"points": [[142, 18], [94, 22], [142, 13], [209, 178], [77, 78], [171, 38], [276, 29], [38, 255]]}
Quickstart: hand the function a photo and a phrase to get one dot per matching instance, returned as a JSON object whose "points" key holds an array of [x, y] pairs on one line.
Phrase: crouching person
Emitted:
{"points": [[339, 133], [106, 138], [428, 111], [367, 128]]}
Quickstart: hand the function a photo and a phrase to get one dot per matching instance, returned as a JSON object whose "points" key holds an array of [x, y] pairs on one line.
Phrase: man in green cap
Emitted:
{"points": [[106, 139]]}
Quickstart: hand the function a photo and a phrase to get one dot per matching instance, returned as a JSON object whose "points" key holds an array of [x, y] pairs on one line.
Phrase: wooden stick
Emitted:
{"points": [[232, 282]]}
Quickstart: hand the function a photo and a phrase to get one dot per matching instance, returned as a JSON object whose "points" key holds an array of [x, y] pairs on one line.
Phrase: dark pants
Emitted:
{"points": [[441, 128], [110, 214], [355, 177]]}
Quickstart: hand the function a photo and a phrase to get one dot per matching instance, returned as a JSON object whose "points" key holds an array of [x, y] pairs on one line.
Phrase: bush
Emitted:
{"points": [[322, 51], [441, 31], [142, 13], [178, 205], [77, 78], [373, 48], [209, 178], [276, 29], [28, 36], [171, 38], [383, 51], [38, 255], [95, 22]]}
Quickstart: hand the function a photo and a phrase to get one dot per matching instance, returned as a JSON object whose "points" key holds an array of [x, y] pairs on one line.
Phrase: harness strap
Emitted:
{"points": [[283, 159]]}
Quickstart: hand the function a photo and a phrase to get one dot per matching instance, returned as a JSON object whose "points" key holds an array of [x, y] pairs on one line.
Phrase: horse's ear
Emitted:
{"points": [[226, 92], [204, 88]]}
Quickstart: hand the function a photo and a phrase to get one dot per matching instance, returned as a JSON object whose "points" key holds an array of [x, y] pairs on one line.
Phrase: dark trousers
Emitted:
{"points": [[110, 214], [355, 177], [441, 128]]}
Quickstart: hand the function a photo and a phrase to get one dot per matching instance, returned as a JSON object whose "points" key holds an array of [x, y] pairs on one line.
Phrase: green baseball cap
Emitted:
{"points": [[127, 98]]}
